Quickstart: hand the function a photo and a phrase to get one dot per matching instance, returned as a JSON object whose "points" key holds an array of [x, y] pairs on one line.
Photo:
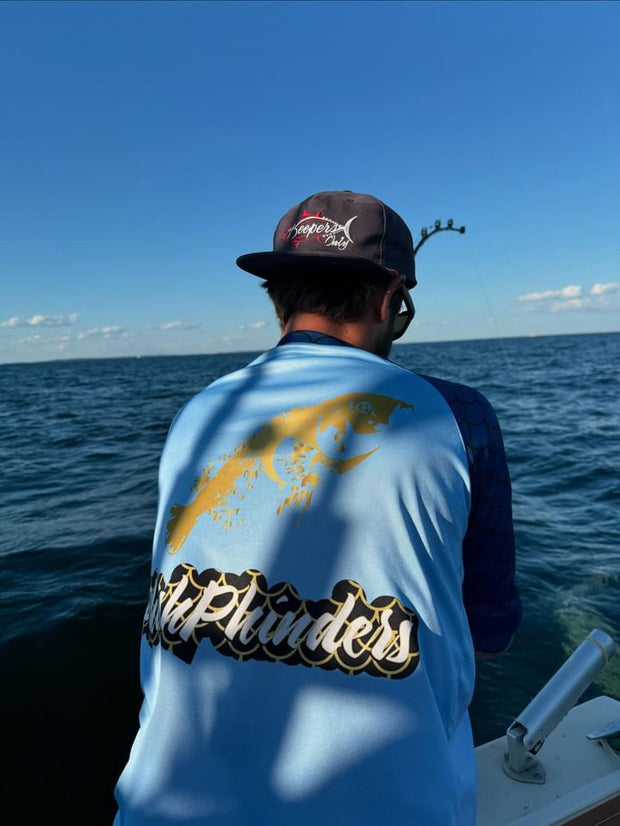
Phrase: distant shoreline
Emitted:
{"points": [[532, 336]]}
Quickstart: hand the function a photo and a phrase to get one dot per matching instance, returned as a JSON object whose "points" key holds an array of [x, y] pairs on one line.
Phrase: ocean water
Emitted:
{"points": [[79, 448]]}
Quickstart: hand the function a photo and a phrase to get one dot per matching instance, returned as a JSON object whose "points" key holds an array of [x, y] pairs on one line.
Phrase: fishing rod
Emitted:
{"points": [[427, 232], [407, 311]]}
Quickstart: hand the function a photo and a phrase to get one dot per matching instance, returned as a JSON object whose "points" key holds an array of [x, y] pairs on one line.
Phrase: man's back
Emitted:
{"points": [[306, 653]]}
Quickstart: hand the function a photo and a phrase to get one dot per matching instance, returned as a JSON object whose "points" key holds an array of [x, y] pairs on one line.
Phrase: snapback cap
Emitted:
{"points": [[337, 232]]}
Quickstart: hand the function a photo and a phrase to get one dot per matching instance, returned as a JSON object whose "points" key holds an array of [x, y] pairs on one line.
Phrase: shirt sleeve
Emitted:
{"points": [[490, 594]]}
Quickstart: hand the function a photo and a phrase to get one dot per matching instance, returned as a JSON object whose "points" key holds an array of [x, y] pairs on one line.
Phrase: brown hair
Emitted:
{"points": [[341, 298]]}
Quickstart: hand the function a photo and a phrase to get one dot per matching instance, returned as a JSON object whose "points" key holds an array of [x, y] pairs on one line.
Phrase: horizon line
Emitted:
{"points": [[234, 352]]}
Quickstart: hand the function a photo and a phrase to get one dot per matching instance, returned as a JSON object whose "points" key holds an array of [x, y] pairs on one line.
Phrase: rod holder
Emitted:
{"points": [[526, 735]]}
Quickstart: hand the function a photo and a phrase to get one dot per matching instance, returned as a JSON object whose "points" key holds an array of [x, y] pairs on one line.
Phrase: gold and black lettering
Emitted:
{"points": [[244, 618]]}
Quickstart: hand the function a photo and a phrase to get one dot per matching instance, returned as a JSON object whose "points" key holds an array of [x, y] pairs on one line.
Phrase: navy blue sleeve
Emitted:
{"points": [[489, 592]]}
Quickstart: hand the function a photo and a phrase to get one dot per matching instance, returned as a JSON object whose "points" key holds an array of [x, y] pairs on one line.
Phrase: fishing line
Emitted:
{"points": [[473, 260], [428, 232]]}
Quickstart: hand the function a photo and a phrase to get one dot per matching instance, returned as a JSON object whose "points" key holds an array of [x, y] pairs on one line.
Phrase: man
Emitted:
{"points": [[332, 532]]}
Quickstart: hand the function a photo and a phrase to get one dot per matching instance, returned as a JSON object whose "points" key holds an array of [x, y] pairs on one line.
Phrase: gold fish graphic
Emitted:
{"points": [[304, 465]]}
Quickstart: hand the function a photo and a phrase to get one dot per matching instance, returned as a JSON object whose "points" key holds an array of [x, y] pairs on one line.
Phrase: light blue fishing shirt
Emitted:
{"points": [[306, 654]]}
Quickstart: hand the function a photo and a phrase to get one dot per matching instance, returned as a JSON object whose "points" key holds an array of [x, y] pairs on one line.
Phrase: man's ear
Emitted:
{"points": [[383, 308]]}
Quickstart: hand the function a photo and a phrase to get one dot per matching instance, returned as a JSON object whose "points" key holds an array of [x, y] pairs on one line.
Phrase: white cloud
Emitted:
{"points": [[601, 289], [41, 321], [178, 325], [571, 291], [111, 331], [571, 304], [571, 298], [30, 339], [255, 325]]}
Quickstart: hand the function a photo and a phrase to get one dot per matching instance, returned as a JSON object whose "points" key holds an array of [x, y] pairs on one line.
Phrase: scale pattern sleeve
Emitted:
{"points": [[489, 591]]}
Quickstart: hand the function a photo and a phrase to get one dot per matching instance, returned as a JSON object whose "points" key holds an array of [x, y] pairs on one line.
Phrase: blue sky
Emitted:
{"points": [[146, 145]]}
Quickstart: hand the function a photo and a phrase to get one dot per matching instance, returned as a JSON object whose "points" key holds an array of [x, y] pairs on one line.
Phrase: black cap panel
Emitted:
{"points": [[337, 229], [399, 253]]}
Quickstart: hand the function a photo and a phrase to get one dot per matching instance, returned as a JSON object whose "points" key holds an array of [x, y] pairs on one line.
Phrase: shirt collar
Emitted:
{"points": [[311, 337]]}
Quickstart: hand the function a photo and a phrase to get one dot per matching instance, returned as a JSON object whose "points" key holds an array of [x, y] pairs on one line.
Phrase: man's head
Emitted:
{"points": [[342, 262]]}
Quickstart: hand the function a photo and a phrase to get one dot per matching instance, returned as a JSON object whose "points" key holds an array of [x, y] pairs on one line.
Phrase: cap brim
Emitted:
{"points": [[273, 264]]}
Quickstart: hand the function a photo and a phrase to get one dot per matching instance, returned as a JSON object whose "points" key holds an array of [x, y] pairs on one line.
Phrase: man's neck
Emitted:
{"points": [[355, 333]]}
